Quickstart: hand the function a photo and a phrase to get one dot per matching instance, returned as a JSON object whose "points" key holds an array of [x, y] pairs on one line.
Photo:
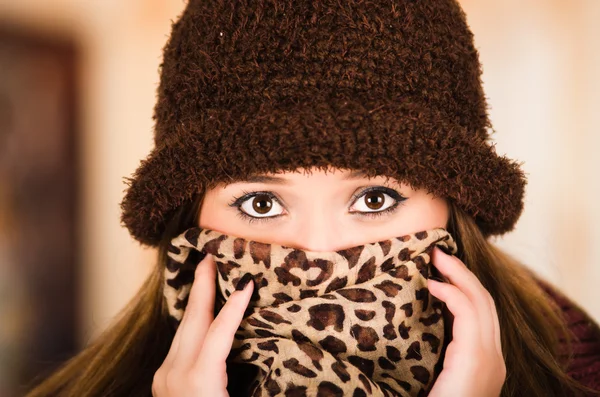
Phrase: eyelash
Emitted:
{"points": [[390, 192], [237, 202]]}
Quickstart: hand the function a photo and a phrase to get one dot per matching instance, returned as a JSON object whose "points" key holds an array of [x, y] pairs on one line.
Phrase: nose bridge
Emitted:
{"points": [[317, 231]]}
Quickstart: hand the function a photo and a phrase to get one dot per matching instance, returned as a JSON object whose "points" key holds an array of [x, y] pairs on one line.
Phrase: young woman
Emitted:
{"points": [[320, 127]]}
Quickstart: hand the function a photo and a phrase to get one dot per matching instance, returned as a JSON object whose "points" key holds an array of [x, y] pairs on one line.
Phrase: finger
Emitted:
{"points": [[175, 344], [466, 329], [219, 337], [198, 315], [460, 276], [177, 338]]}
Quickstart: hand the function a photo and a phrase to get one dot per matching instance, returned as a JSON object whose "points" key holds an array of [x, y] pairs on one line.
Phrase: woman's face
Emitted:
{"points": [[320, 211]]}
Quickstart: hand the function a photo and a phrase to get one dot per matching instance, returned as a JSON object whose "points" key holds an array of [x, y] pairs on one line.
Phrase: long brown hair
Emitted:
{"points": [[122, 360]]}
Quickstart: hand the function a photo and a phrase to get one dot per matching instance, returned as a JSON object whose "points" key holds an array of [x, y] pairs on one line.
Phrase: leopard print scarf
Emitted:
{"points": [[355, 322]]}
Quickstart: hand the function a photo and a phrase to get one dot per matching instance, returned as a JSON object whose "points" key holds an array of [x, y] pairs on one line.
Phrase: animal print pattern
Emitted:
{"points": [[355, 322]]}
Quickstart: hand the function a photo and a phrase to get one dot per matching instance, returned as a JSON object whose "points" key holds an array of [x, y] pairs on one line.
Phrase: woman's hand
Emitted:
{"points": [[195, 364], [474, 365]]}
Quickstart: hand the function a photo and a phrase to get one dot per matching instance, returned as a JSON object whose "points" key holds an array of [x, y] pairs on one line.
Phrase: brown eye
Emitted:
{"points": [[374, 200], [262, 204]]}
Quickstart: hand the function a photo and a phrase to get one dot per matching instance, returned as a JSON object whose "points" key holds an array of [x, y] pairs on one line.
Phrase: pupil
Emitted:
{"points": [[262, 204], [374, 200]]}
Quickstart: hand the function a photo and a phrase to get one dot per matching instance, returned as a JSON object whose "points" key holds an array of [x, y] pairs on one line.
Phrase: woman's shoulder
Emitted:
{"points": [[585, 345]]}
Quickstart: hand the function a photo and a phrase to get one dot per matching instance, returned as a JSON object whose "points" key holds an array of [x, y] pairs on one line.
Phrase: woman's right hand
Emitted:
{"points": [[195, 365]]}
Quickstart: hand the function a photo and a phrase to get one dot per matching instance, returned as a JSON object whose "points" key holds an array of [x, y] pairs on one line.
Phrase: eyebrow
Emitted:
{"points": [[356, 175], [265, 179], [282, 181]]}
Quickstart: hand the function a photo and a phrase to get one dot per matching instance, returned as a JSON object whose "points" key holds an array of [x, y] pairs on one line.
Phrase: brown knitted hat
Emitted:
{"points": [[391, 88]]}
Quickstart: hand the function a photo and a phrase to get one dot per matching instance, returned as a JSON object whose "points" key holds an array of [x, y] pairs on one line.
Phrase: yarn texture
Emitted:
{"points": [[390, 88]]}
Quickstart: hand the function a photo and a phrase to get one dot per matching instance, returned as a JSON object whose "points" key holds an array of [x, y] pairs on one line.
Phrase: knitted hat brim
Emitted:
{"points": [[384, 136]]}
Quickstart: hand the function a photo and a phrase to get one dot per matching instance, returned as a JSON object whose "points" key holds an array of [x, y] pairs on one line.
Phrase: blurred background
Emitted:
{"points": [[77, 87]]}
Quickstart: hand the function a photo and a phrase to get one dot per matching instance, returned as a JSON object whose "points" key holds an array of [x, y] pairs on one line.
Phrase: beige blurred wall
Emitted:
{"points": [[121, 44], [541, 63]]}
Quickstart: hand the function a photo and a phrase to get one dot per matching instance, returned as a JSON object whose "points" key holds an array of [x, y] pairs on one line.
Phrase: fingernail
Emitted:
{"points": [[202, 257], [445, 250], [243, 282]]}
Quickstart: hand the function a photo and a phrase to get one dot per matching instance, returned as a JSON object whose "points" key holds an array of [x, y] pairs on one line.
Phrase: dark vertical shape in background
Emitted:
{"points": [[38, 179]]}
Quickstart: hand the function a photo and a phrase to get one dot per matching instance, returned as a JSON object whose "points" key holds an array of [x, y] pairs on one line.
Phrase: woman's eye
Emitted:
{"points": [[373, 201], [261, 206]]}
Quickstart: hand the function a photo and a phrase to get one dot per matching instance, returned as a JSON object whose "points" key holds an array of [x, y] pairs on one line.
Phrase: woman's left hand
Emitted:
{"points": [[473, 365]]}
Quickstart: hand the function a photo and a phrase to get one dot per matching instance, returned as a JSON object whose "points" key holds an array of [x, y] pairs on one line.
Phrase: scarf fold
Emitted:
{"points": [[354, 322]]}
